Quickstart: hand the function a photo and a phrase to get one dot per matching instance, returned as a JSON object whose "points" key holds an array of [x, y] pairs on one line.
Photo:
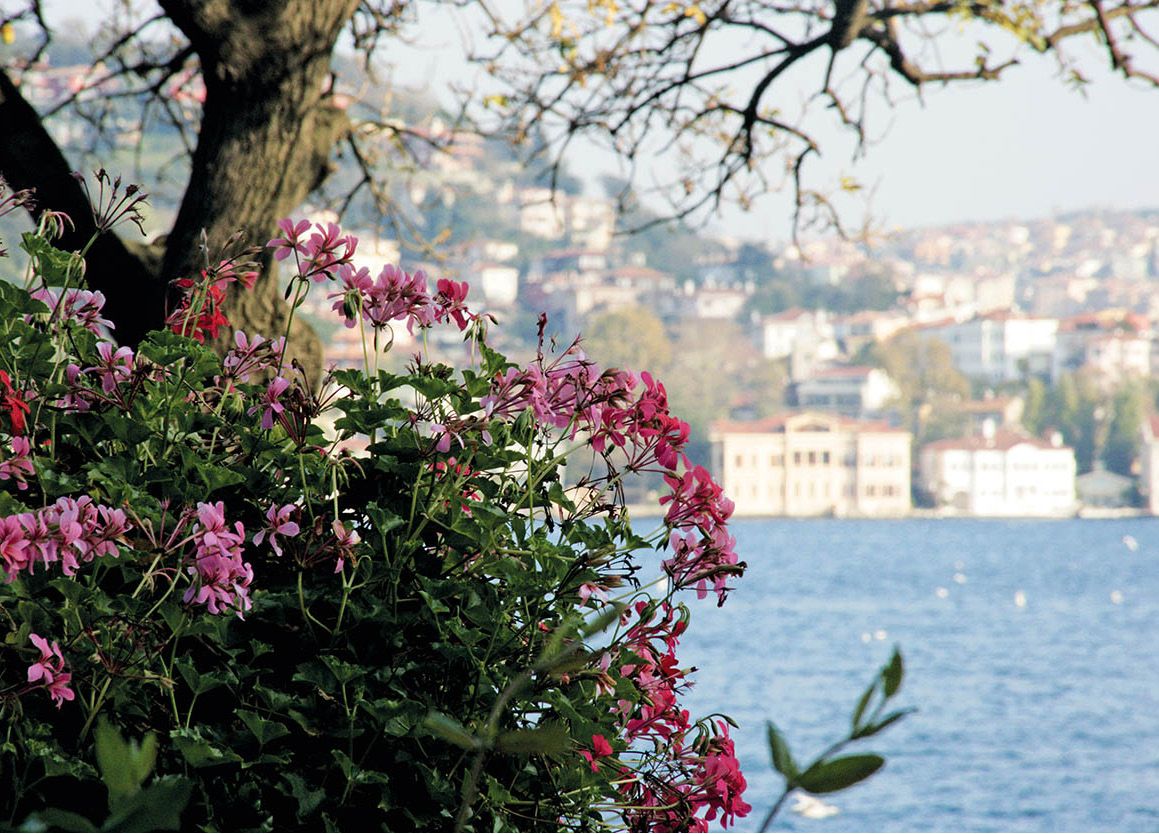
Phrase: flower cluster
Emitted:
{"points": [[84, 308], [18, 466], [198, 315], [690, 784], [251, 356], [69, 531], [49, 671], [703, 550], [14, 403], [320, 254], [221, 580]]}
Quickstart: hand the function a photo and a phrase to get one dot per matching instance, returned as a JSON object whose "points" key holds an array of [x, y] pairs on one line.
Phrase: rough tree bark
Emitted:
{"points": [[267, 128]]}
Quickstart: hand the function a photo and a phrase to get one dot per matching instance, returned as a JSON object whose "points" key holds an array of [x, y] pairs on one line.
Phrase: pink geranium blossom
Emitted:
{"points": [[50, 670], [278, 523]]}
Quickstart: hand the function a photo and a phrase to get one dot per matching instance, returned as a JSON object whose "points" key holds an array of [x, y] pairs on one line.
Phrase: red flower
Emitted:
{"points": [[13, 402], [600, 748]]}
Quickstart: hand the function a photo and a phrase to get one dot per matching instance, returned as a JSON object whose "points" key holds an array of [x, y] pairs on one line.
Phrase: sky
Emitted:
{"points": [[1022, 148]]}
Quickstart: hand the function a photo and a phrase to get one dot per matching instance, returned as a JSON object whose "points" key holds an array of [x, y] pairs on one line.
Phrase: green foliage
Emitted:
{"points": [[829, 773], [419, 651]]}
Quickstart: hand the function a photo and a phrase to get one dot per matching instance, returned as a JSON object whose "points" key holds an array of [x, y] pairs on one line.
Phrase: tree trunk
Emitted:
{"points": [[266, 133]]}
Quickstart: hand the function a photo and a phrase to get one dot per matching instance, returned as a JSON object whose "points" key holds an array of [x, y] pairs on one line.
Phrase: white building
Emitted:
{"points": [[499, 282], [1149, 458], [1000, 473], [1000, 346], [1116, 356], [855, 391], [812, 464], [782, 333]]}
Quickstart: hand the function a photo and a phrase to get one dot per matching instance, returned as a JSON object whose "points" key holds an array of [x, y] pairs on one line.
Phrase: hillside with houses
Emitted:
{"points": [[991, 368]]}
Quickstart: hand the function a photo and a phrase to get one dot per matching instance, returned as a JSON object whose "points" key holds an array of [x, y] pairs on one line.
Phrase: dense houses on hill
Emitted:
{"points": [[1014, 302]]}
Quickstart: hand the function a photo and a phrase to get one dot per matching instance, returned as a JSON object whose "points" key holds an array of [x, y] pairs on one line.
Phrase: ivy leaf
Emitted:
{"points": [[779, 750], [536, 741], [839, 774]]}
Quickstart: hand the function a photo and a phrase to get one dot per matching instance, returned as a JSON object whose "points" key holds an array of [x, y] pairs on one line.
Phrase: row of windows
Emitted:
{"points": [[821, 458], [812, 489]]}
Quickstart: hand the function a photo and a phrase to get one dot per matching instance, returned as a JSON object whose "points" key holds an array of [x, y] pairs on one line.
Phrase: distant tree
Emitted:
{"points": [[710, 86], [630, 337], [1128, 409], [922, 366], [715, 367]]}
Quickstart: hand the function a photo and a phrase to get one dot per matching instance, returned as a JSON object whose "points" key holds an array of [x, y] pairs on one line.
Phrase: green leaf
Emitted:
{"points": [[892, 718], [542, 741], [839, 774], [157, 808], [863, 703], [891, 675], [198, 752], [51, 819], [449, 729], [308, 800], [55, 267], [124, 765], [779, 750], [264, 731]]}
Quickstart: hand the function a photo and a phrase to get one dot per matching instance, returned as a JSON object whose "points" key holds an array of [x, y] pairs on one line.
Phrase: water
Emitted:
{"points": [[1040, 717]]}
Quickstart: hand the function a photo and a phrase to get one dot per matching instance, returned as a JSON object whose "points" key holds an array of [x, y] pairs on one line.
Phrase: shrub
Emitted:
{"points": [[431, 616]]}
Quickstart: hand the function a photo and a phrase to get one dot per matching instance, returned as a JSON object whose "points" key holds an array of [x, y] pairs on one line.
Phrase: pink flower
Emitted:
{"points": [[116, 365], [50, 670], [14, 549], [221, 580], [279, 523], [345, 540], [286, 246], [450, 300], [322, 251], [273, 392], [589, 590], [19, 464], [83, 308]]}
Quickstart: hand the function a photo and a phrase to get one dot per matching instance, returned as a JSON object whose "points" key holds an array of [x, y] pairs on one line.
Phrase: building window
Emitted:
{"points": [[777, 460], [739, 461], [797, 458], [812, 458], [825, 458]]}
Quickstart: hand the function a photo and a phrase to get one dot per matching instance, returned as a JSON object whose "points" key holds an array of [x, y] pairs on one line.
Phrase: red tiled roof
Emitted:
{"points": [[776, 424], [1001, 441]]}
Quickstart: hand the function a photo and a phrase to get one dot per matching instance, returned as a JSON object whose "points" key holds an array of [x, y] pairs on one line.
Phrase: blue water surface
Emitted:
{"points": [[1039, 717]]}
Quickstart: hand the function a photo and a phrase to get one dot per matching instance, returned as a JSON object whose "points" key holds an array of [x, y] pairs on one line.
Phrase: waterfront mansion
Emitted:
{"points": [[813, 464]]}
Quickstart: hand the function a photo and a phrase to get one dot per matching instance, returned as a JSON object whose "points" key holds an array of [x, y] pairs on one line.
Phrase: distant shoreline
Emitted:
{"points": [[1084, 514]]}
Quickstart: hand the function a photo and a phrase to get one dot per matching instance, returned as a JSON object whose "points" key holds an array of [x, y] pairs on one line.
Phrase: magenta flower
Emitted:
{"points": [[450, 300], [249, 356], [50, 670], [279, 523], [286, 246], [19, 465], [600, 749], [221, 580], [272, 407], [116, 365]]}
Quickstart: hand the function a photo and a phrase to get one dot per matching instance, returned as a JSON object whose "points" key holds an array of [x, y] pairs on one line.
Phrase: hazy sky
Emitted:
{"points": [[1021, 148]]}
